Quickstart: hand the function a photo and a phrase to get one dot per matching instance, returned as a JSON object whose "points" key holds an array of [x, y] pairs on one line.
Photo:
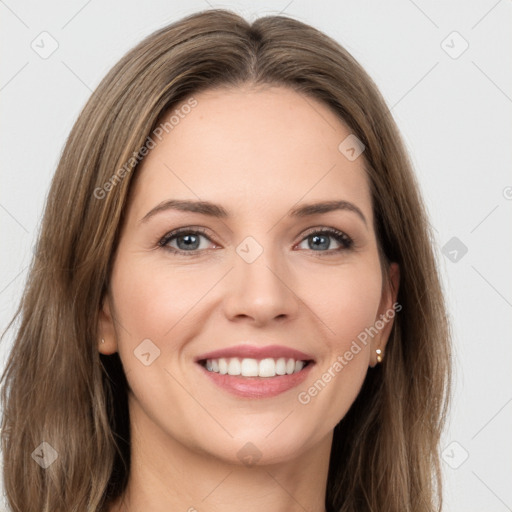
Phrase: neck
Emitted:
{"points": [[165, 474]]}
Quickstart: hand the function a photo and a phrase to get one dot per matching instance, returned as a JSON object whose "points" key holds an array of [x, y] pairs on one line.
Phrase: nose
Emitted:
{"points": [[260, 291]]}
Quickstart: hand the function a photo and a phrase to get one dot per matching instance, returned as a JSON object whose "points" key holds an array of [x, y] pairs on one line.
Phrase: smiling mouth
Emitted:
{"points": [[249, 367]]}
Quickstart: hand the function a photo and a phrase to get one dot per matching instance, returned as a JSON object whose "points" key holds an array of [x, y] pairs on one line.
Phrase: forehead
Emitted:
{"points": [[268, 148]]}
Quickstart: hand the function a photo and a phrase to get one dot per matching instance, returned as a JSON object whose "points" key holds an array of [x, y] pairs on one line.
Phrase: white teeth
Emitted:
{"points": [[223, 366], [267, 368], [281, 366], [234, 366], [249, 367]]}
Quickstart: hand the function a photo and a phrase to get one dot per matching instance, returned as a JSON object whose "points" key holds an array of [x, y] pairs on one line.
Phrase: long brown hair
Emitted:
{"points": [[58, 389]]}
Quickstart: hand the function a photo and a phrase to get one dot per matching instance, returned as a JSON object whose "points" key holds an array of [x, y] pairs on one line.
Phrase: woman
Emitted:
{"points": [[234, 301]]}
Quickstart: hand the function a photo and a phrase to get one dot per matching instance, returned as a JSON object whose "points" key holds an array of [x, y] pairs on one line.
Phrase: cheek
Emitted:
{"points": [[347, 306], [347, 302], [151, 299]]}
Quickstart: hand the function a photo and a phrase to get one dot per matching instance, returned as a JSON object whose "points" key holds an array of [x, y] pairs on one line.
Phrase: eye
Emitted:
{"points": [[319, 240], [186, 240]]}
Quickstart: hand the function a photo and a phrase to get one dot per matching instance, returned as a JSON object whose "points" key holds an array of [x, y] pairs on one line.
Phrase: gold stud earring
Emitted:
{"points": [[379, 355]]}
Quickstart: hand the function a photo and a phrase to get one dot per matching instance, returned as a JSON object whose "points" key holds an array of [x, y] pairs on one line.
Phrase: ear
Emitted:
{"points": [[387, 310], [107, 342]]}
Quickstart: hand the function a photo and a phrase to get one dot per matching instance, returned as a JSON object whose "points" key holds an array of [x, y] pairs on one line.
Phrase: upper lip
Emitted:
{"points": [[257, 352]]}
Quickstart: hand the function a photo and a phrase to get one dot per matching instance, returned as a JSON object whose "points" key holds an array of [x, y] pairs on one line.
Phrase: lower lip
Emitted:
{"points": [[258, 387]]}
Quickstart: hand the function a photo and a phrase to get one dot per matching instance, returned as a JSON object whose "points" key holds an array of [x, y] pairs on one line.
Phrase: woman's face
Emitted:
{"points": [[247, 277]]}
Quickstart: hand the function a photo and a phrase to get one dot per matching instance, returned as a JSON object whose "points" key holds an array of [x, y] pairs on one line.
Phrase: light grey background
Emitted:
{"points": [[454, 112]]}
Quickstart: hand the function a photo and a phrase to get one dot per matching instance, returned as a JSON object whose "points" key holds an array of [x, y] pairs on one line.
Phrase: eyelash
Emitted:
{"points": [[343, 239]]}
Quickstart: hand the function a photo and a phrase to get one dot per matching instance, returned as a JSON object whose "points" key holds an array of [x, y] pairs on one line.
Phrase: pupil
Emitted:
{"points": [[190, 241], [316, 245]]}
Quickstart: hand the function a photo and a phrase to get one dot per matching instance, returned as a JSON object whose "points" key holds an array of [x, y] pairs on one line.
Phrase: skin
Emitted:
{"points": [[258, 153]]}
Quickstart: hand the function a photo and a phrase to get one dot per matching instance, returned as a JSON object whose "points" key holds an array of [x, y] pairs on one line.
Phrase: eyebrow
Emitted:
{"points": [[217, 211]]}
